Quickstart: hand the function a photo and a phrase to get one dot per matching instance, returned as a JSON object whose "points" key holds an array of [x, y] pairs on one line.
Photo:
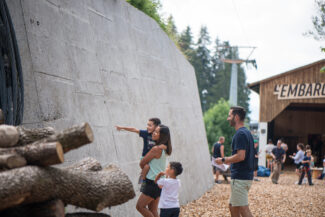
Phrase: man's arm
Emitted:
{"points": [[238, 157], [130, 129], [222, 150], [284, 158], [155, 152]]}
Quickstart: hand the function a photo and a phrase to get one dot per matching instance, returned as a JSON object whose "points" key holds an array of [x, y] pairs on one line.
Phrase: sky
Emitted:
{"points": [[275, 27]]}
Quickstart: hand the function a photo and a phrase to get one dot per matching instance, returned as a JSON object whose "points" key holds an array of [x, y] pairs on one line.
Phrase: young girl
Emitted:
{"points": [[306, 168]]}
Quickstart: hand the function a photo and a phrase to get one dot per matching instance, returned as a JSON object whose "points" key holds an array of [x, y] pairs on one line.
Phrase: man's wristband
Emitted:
{"points": [[223, 160]]}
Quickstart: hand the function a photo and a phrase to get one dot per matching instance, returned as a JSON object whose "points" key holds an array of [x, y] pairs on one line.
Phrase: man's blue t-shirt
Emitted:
{"points": [[278, 153], [243, 140], [148, 143]]}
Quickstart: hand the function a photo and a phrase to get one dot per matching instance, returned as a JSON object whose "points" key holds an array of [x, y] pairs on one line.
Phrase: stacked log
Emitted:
{"points": [[30, 186]]}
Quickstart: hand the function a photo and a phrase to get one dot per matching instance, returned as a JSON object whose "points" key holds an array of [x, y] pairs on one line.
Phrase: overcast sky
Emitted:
{"points": [[275, 27]]}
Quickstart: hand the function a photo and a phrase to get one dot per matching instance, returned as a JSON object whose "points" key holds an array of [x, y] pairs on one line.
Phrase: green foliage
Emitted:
{"points": [[213, 76], [202, 65], [185, 43], [216, 125], [171, 29], [319, 21], [151, 8]]}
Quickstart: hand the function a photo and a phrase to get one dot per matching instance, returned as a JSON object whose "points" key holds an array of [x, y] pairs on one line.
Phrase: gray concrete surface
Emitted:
{"points": [[107, 63]]}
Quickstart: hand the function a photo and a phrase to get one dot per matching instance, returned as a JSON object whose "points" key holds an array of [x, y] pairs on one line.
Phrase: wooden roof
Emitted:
{"points": [[271, 105], [256, 85]]}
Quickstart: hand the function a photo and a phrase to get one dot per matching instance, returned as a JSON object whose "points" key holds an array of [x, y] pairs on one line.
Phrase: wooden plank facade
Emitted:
{"points": [[292, 106]]}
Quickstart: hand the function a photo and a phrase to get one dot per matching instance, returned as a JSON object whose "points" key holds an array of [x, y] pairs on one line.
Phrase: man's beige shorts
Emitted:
{"points": [[239, 192]]}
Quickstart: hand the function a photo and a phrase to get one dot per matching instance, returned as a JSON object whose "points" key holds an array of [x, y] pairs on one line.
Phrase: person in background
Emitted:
{"points": [[269, 158], [284, 146], [256, 152], [218, 151], [279, 157], [323, 173], [306, 168], [298, 158]]}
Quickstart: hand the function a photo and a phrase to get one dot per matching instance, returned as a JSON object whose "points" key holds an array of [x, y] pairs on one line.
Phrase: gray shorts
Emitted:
{"points": [[239, 192]]}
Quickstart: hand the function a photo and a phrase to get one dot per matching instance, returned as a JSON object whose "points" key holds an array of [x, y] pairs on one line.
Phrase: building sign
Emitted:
{"points": [[300, 91]]}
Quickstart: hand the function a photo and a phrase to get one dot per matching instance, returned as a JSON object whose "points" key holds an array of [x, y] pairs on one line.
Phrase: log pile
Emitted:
{"points": [[30, 186]]}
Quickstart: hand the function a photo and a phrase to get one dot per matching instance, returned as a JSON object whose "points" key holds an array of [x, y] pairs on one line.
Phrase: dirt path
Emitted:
{"points": [[265, 199]]}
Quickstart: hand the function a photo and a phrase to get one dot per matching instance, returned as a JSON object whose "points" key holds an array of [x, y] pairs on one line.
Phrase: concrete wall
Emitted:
{"points": [[107, 63]]}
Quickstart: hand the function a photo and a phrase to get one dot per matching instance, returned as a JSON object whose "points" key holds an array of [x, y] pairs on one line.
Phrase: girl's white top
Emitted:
{"points": [[169, 193]]}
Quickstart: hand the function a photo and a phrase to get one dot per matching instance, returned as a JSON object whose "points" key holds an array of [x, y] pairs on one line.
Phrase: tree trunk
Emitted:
{"points": [[10, 161], [53, 208], [42, 154], [86, 164], [87, 189], [73, 137], [8, 136], [86, 214], [27, 136]]}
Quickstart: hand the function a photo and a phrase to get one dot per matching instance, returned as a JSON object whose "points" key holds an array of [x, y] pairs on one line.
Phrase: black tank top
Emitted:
{"points": [[216, 150]]}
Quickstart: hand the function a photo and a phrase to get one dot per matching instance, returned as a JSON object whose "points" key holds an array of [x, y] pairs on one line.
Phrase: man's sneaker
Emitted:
{"points": [[296, 183], [256, 179], [311, 184]]}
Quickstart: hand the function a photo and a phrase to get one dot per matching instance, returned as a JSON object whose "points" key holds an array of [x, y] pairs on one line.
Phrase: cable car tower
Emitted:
{"points": [[233, 92]]}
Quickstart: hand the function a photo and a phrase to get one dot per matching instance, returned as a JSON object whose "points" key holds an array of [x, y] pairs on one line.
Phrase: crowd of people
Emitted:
{"points": [[160, 186]]}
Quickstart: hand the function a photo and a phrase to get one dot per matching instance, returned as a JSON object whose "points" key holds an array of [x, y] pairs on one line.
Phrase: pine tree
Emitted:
{"points": [[202, 65], [185, 43]]}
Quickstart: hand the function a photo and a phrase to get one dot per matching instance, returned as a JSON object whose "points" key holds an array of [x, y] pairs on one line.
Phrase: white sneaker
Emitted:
{"points": [[296, 183]]}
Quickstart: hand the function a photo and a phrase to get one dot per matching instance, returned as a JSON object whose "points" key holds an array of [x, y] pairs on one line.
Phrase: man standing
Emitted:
{"points": [[279, 157], [268, 150], [218, 150], [242, 163]]}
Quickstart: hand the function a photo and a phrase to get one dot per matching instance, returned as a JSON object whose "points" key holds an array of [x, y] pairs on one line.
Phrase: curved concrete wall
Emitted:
{"points": [[107, 63]]}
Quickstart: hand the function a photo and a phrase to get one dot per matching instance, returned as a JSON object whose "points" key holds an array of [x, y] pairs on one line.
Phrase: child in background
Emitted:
{"points": [[323, 173], [169, 203], [148, 143], [306, 168]]}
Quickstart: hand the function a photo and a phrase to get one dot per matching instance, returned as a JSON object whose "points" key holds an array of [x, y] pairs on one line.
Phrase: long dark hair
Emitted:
{"points": [[164, 138]]}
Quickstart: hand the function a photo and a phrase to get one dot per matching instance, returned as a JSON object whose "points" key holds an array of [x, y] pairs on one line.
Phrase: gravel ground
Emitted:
{"points": [[265, 199]]}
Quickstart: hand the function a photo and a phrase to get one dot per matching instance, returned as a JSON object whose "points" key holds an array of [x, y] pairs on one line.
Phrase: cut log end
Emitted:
{"points": [[89, 132], [8, 136]]}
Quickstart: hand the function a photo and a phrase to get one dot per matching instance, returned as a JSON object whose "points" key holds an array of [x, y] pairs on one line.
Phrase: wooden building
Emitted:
{"points": [[292, 107]]}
